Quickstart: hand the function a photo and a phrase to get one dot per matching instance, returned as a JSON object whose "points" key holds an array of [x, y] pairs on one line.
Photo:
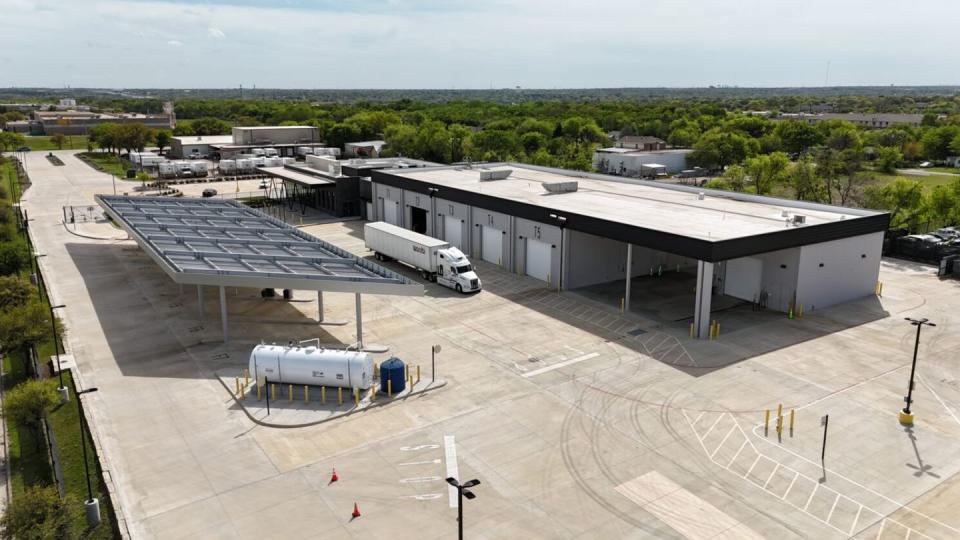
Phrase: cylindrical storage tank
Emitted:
{"points": [[312, 365], [393, 370]]}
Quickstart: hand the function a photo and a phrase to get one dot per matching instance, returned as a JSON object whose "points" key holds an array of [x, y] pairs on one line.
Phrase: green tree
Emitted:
{"points": [[902, 198], [162, 138], [807, 185], [497, 145], [717, 148], [433, 142], [767, 170], [533, 141], [937, 142], [718, 183], [38, 513], [736, 177], [342, 133], [797, 136], [955, 145], [10, 141], [58, 139], [20, 325], [14, 256], [209, 126], [29, 402], [888, 158], [942, 204], [14, 292]]}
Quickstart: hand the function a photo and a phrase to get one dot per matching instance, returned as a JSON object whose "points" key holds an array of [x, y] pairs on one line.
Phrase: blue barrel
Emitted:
{"points": [[392, 370]]}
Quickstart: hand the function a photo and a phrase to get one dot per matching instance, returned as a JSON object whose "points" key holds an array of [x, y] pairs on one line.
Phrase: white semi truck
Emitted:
{"points": [[435, 259]]}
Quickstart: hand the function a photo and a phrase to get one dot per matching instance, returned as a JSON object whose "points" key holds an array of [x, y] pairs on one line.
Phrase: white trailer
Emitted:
{"points": [[244, 166], [435, 259], [167, 169], [259, 152], [311, 365], [198, 169], [228, 166], [271, 152], [184, 170], [259, 162], [304, 151]]}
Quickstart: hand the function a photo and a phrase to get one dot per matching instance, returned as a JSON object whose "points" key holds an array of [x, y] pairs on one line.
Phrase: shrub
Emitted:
{"points": [[37, 513], [28, 402]]}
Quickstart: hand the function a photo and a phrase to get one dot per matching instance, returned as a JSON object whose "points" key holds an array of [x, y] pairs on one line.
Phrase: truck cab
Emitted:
{"points": [[455, 271]]}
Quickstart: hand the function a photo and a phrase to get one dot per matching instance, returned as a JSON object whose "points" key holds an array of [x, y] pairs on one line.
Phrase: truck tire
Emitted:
{"points": [[459, 289]]}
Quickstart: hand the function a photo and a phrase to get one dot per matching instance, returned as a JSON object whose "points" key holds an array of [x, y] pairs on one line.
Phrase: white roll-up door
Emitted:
{"points": [[390, 212], [539, 255], [492, 246], [453, 231], [743, 277]]}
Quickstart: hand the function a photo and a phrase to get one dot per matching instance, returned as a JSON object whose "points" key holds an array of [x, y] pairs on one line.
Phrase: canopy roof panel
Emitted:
{"points": [[222, 242]]}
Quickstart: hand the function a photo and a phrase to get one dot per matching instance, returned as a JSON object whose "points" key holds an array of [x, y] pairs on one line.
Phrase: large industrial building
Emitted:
{"points": [[639, 163], [285, 139], [575, 230], [80, 122]]}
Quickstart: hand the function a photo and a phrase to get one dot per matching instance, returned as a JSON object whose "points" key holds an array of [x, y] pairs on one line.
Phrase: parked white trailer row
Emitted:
{"points": [[435, 259], [182, 169]]}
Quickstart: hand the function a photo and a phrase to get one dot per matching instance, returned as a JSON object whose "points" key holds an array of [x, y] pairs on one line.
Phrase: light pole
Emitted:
{"points": [[462, 491], [92, 505], [62, 390], [906, 417], [433, 362], [113, 177]]}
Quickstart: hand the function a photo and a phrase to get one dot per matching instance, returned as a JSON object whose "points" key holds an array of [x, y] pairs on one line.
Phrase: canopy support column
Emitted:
{"points": [[359, 322], [701, 313], [626, 294], [320, 307], [223, 313]]}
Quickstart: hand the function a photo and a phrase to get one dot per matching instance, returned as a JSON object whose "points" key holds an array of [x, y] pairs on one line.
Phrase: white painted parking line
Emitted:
{"points": [[773, 472], [832, 508], [419, 479], [428, 462], [727, 436], [794, 481], [856, 518], [453, 470], [559, 365], [735, 456]]}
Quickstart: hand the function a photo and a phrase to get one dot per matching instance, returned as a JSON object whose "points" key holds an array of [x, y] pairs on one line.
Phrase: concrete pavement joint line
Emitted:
{"points": [[559, 365], [930, 388], [859, 485], [453, 469], [851, 387]]}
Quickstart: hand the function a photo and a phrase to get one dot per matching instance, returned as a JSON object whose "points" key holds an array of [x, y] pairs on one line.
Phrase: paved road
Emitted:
{"points": [[925, 172]]}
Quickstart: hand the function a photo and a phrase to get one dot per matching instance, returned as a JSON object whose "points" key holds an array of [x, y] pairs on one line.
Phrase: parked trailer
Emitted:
{"points": [[435, 259], [271, 152], [167, 169], [228, 166], [198, 169], [303, 151], [312, 365], [287, 160], [259, 152], [244, 166], [273, 162]]}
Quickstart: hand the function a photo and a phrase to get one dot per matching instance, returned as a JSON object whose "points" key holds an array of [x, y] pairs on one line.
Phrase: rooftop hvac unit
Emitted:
{"points": [[560, 187], [486, 176], [799, 219], [701, 196]]}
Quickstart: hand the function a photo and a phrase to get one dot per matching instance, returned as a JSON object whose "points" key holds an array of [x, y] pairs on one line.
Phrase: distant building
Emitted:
{"points": [[639, 163], [868, 120], [641, 142], [363, 149], [80, 122], [285, 139], [67, 103]]}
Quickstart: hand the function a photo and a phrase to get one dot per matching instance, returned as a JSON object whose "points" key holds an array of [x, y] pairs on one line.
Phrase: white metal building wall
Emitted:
{"points": [[485, 219], [838, 271], [540, 232]]}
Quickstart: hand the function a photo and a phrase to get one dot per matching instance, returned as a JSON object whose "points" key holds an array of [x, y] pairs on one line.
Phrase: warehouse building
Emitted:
{"points": [[242, 140], [587, 231], [639, 163], [80, 122]]}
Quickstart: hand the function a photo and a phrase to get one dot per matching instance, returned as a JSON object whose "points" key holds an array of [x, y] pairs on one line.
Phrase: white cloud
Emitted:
{"points": [[174, 43], [215, 33]]}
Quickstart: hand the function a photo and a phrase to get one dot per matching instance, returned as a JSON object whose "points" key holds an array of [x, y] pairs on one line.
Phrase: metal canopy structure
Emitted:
{"points": [[223, 243]]}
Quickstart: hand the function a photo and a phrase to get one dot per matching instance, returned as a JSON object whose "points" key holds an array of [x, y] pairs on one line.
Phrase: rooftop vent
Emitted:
{"points": [[701, 196], [560, 187], [799, 219], [486, 176]]}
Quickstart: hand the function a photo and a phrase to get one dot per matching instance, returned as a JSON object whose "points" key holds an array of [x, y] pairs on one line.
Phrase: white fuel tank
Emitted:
{"points": [[312, 365]]}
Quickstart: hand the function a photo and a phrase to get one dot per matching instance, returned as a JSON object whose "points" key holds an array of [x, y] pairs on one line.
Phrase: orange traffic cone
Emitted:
{"points": [[356, 511], [334, 477]]}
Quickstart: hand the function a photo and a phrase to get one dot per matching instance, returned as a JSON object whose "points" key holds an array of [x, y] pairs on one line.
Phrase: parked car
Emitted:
{"points": [[23, 149], [209, 192], [947, 232]]}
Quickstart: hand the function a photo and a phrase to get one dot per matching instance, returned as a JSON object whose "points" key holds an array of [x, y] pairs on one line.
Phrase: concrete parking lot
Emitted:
{"points": [[579, 421]]}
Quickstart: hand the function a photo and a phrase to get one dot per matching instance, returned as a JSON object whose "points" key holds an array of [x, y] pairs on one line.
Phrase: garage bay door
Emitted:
{"points": [[539, 255], [743, 277], [390, 212], [492, 246], [453, 231]]}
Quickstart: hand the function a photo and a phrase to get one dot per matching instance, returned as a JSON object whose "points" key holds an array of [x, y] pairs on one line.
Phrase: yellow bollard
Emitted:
{"points": [[323, 395], [246, 377], [779, 409], [306, 394], [718, 329], [418, 373], [800, 311], [406, 371], [373, 394], [259, 392], [340, 395], [273, 391], [356, 396], [290, 393], [409, 383], [881, 289], [791, 422], [621, 306], [779, 425], [389, 388], [766, 421], [376, 371], [691, 330], [237, 380]]}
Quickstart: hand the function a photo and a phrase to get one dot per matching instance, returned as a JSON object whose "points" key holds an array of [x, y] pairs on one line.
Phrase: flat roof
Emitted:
{"points": [[298, 177], [222, 242], [634, 151], [258, 128], [644, 212]]}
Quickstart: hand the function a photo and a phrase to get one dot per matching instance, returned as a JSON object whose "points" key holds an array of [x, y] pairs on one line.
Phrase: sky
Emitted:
{"points": [[477, 44]]}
